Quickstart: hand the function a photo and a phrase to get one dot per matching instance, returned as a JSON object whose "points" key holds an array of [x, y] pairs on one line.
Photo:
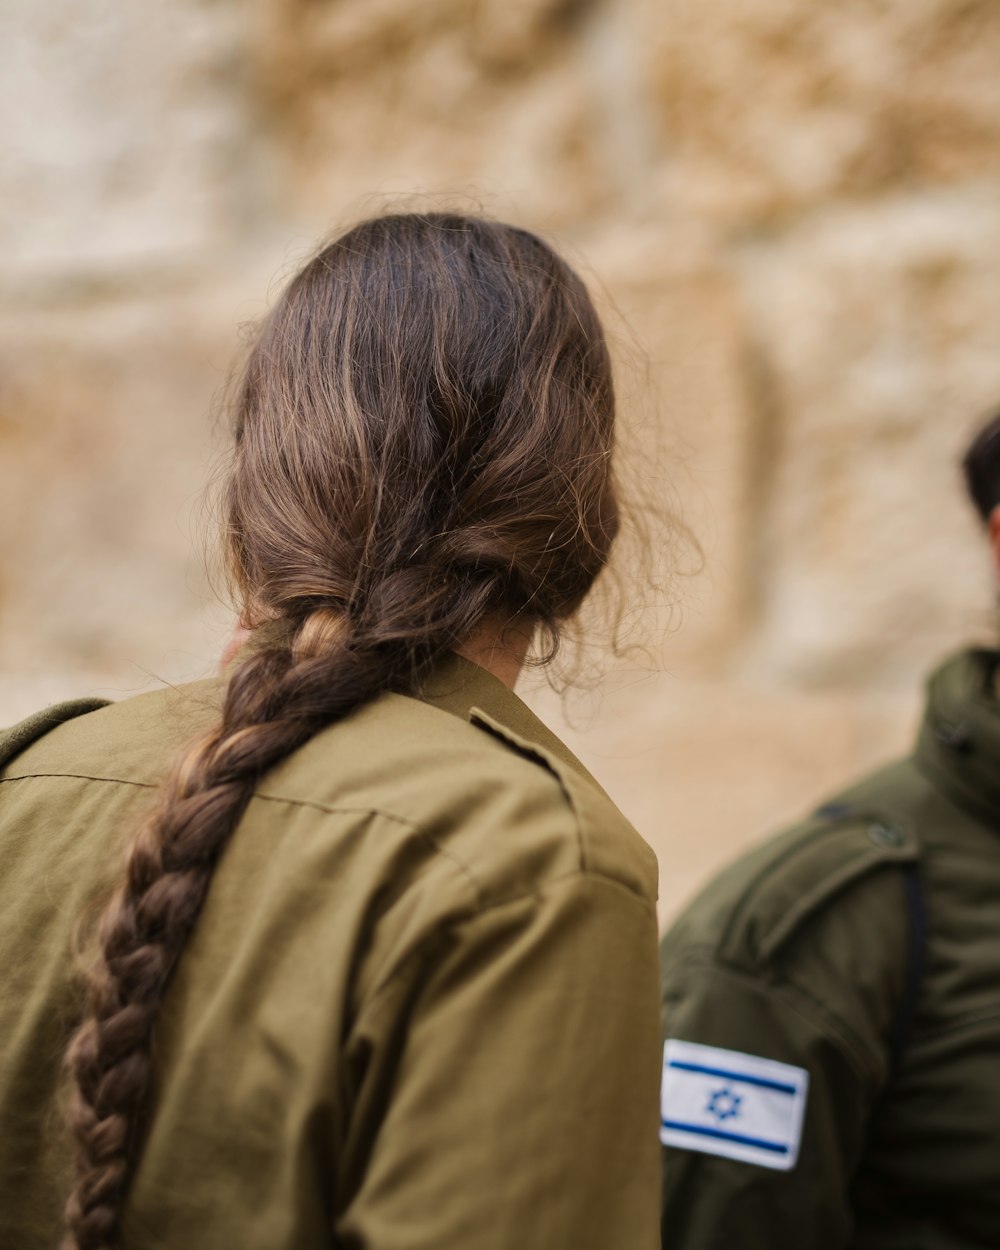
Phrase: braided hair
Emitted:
{"points": [[423, 439]]}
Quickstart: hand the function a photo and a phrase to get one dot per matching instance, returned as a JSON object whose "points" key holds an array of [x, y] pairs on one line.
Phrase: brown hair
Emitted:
{"points": [[423, 439]]}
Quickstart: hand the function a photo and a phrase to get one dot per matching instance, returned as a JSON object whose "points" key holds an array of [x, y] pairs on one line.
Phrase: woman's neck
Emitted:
{"points": [[500, 648], [497, 646]]}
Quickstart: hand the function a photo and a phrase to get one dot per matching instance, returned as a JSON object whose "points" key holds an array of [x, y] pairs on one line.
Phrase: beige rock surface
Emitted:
{"points": [[791, 213]]}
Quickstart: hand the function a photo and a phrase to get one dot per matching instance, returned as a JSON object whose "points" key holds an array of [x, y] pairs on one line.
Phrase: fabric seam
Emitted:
{"points": [[816, 1014], [584, 870], [442, 933]]}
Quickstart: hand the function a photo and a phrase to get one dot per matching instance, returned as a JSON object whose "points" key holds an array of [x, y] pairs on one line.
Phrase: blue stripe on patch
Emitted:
{"points": [[733, 1076], [776, 1147]]}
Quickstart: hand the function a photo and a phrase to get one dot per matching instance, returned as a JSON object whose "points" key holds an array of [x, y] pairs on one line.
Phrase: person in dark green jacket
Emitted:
{"points": [[831, 1002], [372, 946]]}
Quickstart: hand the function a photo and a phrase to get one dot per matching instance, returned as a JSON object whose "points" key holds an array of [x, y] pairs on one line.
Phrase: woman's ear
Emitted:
{"points": [[237, 638], [993, 529]]}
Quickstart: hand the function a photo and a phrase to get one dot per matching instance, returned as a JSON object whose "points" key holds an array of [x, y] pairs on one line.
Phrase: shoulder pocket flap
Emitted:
{"points": [[529, 750], [609, 845], [814, 870]]}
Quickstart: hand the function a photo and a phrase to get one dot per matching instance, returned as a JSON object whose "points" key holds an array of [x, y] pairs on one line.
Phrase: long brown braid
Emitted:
{"points": [[423, 438]]}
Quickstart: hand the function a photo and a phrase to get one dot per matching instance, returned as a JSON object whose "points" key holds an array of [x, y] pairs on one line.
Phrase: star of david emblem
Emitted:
{"points": [[724, 1104]]}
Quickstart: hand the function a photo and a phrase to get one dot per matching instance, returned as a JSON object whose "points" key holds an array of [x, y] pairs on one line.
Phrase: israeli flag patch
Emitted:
{"points": [[723, 1102]]}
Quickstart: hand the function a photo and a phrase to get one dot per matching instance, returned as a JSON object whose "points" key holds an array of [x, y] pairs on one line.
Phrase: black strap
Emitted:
{"points": [[916, 913]]}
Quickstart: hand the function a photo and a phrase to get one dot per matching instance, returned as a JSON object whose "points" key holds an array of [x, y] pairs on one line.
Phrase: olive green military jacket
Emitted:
{"points": [[418, 1012], [831, 1005]]}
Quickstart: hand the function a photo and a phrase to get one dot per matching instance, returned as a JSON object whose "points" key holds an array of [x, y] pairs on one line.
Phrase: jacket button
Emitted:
{"points": [[889, 837]]}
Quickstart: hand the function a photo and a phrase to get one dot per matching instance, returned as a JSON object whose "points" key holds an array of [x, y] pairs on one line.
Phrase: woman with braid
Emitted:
{"points": [[345, 949]]}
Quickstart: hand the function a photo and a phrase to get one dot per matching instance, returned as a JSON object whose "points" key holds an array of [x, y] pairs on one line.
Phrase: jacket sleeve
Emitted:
{"points": [[767, 1162], [506, 1083]]}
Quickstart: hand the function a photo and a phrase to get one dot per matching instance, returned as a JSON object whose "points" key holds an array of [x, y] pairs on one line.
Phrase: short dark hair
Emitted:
{"points": [[981, 466]]}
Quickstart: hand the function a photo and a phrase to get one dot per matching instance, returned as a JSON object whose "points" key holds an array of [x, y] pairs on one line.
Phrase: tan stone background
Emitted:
{"points": [[793, 208]]}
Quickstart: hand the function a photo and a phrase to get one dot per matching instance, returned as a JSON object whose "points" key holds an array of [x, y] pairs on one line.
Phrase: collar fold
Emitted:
{"points": [[461, 687]]}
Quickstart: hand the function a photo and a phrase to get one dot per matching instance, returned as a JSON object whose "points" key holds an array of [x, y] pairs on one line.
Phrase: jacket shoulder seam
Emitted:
{"points": [[414, 827], [112, 781], [329, 809], [441, 932]]}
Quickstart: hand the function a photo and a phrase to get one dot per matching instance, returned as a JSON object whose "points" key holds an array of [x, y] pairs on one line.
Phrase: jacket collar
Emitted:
{"points": [[463, 688], [959, 739]]}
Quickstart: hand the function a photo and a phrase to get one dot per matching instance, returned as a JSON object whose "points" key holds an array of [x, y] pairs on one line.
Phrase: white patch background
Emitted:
{"points": [[728, 1103]]}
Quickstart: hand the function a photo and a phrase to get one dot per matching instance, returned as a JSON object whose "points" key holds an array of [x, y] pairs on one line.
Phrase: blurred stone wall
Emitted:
{"points": [[792, 213]]}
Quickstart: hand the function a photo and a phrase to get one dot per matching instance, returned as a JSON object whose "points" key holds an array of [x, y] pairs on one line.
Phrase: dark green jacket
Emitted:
{"points": [[418, 1010], [861, 950]]}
